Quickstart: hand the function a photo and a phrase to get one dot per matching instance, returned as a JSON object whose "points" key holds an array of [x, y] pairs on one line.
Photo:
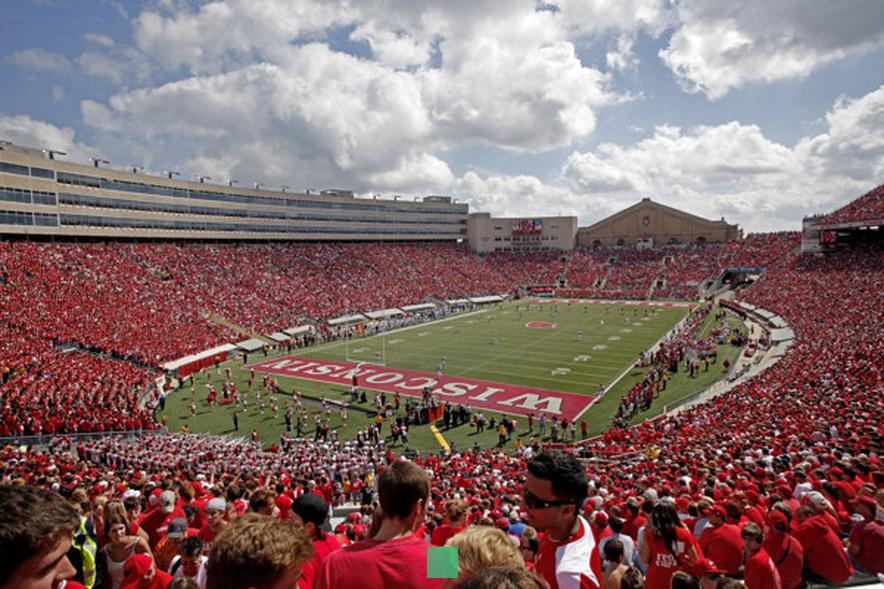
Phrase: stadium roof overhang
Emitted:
{"points": [[383, 313], [251, 345], [486, 300], [347, 319], [418, 307]]}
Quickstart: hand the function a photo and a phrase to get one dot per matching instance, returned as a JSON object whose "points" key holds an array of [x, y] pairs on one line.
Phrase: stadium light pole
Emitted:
{"points": [[51, 153], [97, 161], [171, 173]]}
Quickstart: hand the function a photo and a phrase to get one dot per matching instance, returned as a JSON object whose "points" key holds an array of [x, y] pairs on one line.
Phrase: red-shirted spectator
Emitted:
{"points": [[156, 521], [555, 489], [311, 512], [823, 554], [455, 521], [760, 571], [599, 526], [866, 543], [668, 547], [785, 550], [395, 557], [721, 542]]}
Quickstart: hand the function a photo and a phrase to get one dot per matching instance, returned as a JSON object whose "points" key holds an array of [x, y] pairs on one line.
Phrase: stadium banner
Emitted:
{"points": [[456, 390]]}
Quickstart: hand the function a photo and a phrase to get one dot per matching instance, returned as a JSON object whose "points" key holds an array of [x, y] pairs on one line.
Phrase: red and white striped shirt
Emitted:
{"points": [[573, 563]]}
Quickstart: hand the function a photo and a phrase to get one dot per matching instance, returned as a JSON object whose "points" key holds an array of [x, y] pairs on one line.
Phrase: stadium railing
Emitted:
{"points": [[44, 439]]}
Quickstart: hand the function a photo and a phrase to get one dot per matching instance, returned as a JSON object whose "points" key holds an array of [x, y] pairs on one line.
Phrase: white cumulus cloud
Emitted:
{"points": [[27, 131], [718, 46], [40, 60], [734, 170]]}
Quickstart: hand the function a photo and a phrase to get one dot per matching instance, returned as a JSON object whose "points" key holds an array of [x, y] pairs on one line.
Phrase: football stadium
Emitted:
{"points": [[211, 385]]}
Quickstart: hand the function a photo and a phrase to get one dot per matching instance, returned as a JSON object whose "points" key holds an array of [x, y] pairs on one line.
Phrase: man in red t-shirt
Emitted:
{"points": [[760, 571], [396, 556], [599, 527], [216, 522], [555, 489], [311, 511], [823, 553], [456, 520], [635, 519], [140, 572], [866, 543], [721, 543], [784, 549], [156, 521]]}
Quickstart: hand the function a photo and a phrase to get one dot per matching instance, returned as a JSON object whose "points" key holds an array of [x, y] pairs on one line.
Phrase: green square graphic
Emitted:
{"points": [[442, 562]]}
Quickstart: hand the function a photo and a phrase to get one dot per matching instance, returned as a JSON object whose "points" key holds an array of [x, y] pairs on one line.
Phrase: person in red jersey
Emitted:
{"points": [[783, 548], [668, 547], [311, 511], [823, 555], [555, 489], [456, 521], [156, 521], [721, 543], [634, 519], [760, 571], [140, 572], [599, 526], [395, 557], [216, 522], [866, 543]]}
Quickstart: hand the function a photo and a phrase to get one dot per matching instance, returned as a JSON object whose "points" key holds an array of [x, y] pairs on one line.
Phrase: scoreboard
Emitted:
{"points": [[527, 226]]}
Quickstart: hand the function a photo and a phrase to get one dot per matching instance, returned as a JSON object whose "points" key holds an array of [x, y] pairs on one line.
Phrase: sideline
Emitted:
{"points": [[342, 341], [631, 366]]}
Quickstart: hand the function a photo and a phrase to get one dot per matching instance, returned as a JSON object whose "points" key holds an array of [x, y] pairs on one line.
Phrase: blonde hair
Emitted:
{"points": [[254, 551], [480, 547], [503, 578], [455, 509], [115, 508]]}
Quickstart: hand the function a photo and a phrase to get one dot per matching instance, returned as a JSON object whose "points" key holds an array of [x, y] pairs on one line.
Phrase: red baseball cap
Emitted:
{"points": [[779, 520], [705, 566]]}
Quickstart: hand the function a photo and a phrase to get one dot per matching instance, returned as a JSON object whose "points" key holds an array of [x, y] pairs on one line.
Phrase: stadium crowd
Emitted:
{"points": [[867, 208], [776, 483]]}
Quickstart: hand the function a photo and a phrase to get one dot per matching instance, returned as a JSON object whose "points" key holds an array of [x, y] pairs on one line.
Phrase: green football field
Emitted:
{"points": [[586, 345]]}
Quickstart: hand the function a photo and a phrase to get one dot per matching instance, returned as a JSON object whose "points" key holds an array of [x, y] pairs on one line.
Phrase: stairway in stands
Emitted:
{"points": [[239, 328]]}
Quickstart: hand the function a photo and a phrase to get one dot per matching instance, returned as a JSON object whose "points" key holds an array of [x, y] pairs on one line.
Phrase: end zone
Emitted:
{"points": [[493, 396]]}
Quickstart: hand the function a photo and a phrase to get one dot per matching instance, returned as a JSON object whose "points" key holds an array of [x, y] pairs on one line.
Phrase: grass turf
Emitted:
{"points": [[558, 359]]}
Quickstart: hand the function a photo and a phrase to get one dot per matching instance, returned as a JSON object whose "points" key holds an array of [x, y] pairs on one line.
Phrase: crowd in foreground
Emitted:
{"points": [[544, 520]]}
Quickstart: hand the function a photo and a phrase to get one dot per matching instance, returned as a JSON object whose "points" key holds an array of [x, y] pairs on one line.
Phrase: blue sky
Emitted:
{"points": [[758, 113]]}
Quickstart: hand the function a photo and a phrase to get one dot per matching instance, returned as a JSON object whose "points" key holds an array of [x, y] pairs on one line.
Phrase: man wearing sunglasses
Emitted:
{"points": [[555, 489]]}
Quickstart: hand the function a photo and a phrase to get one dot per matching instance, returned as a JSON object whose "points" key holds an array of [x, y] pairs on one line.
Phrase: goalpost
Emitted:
{"points": [[357, 356]]}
